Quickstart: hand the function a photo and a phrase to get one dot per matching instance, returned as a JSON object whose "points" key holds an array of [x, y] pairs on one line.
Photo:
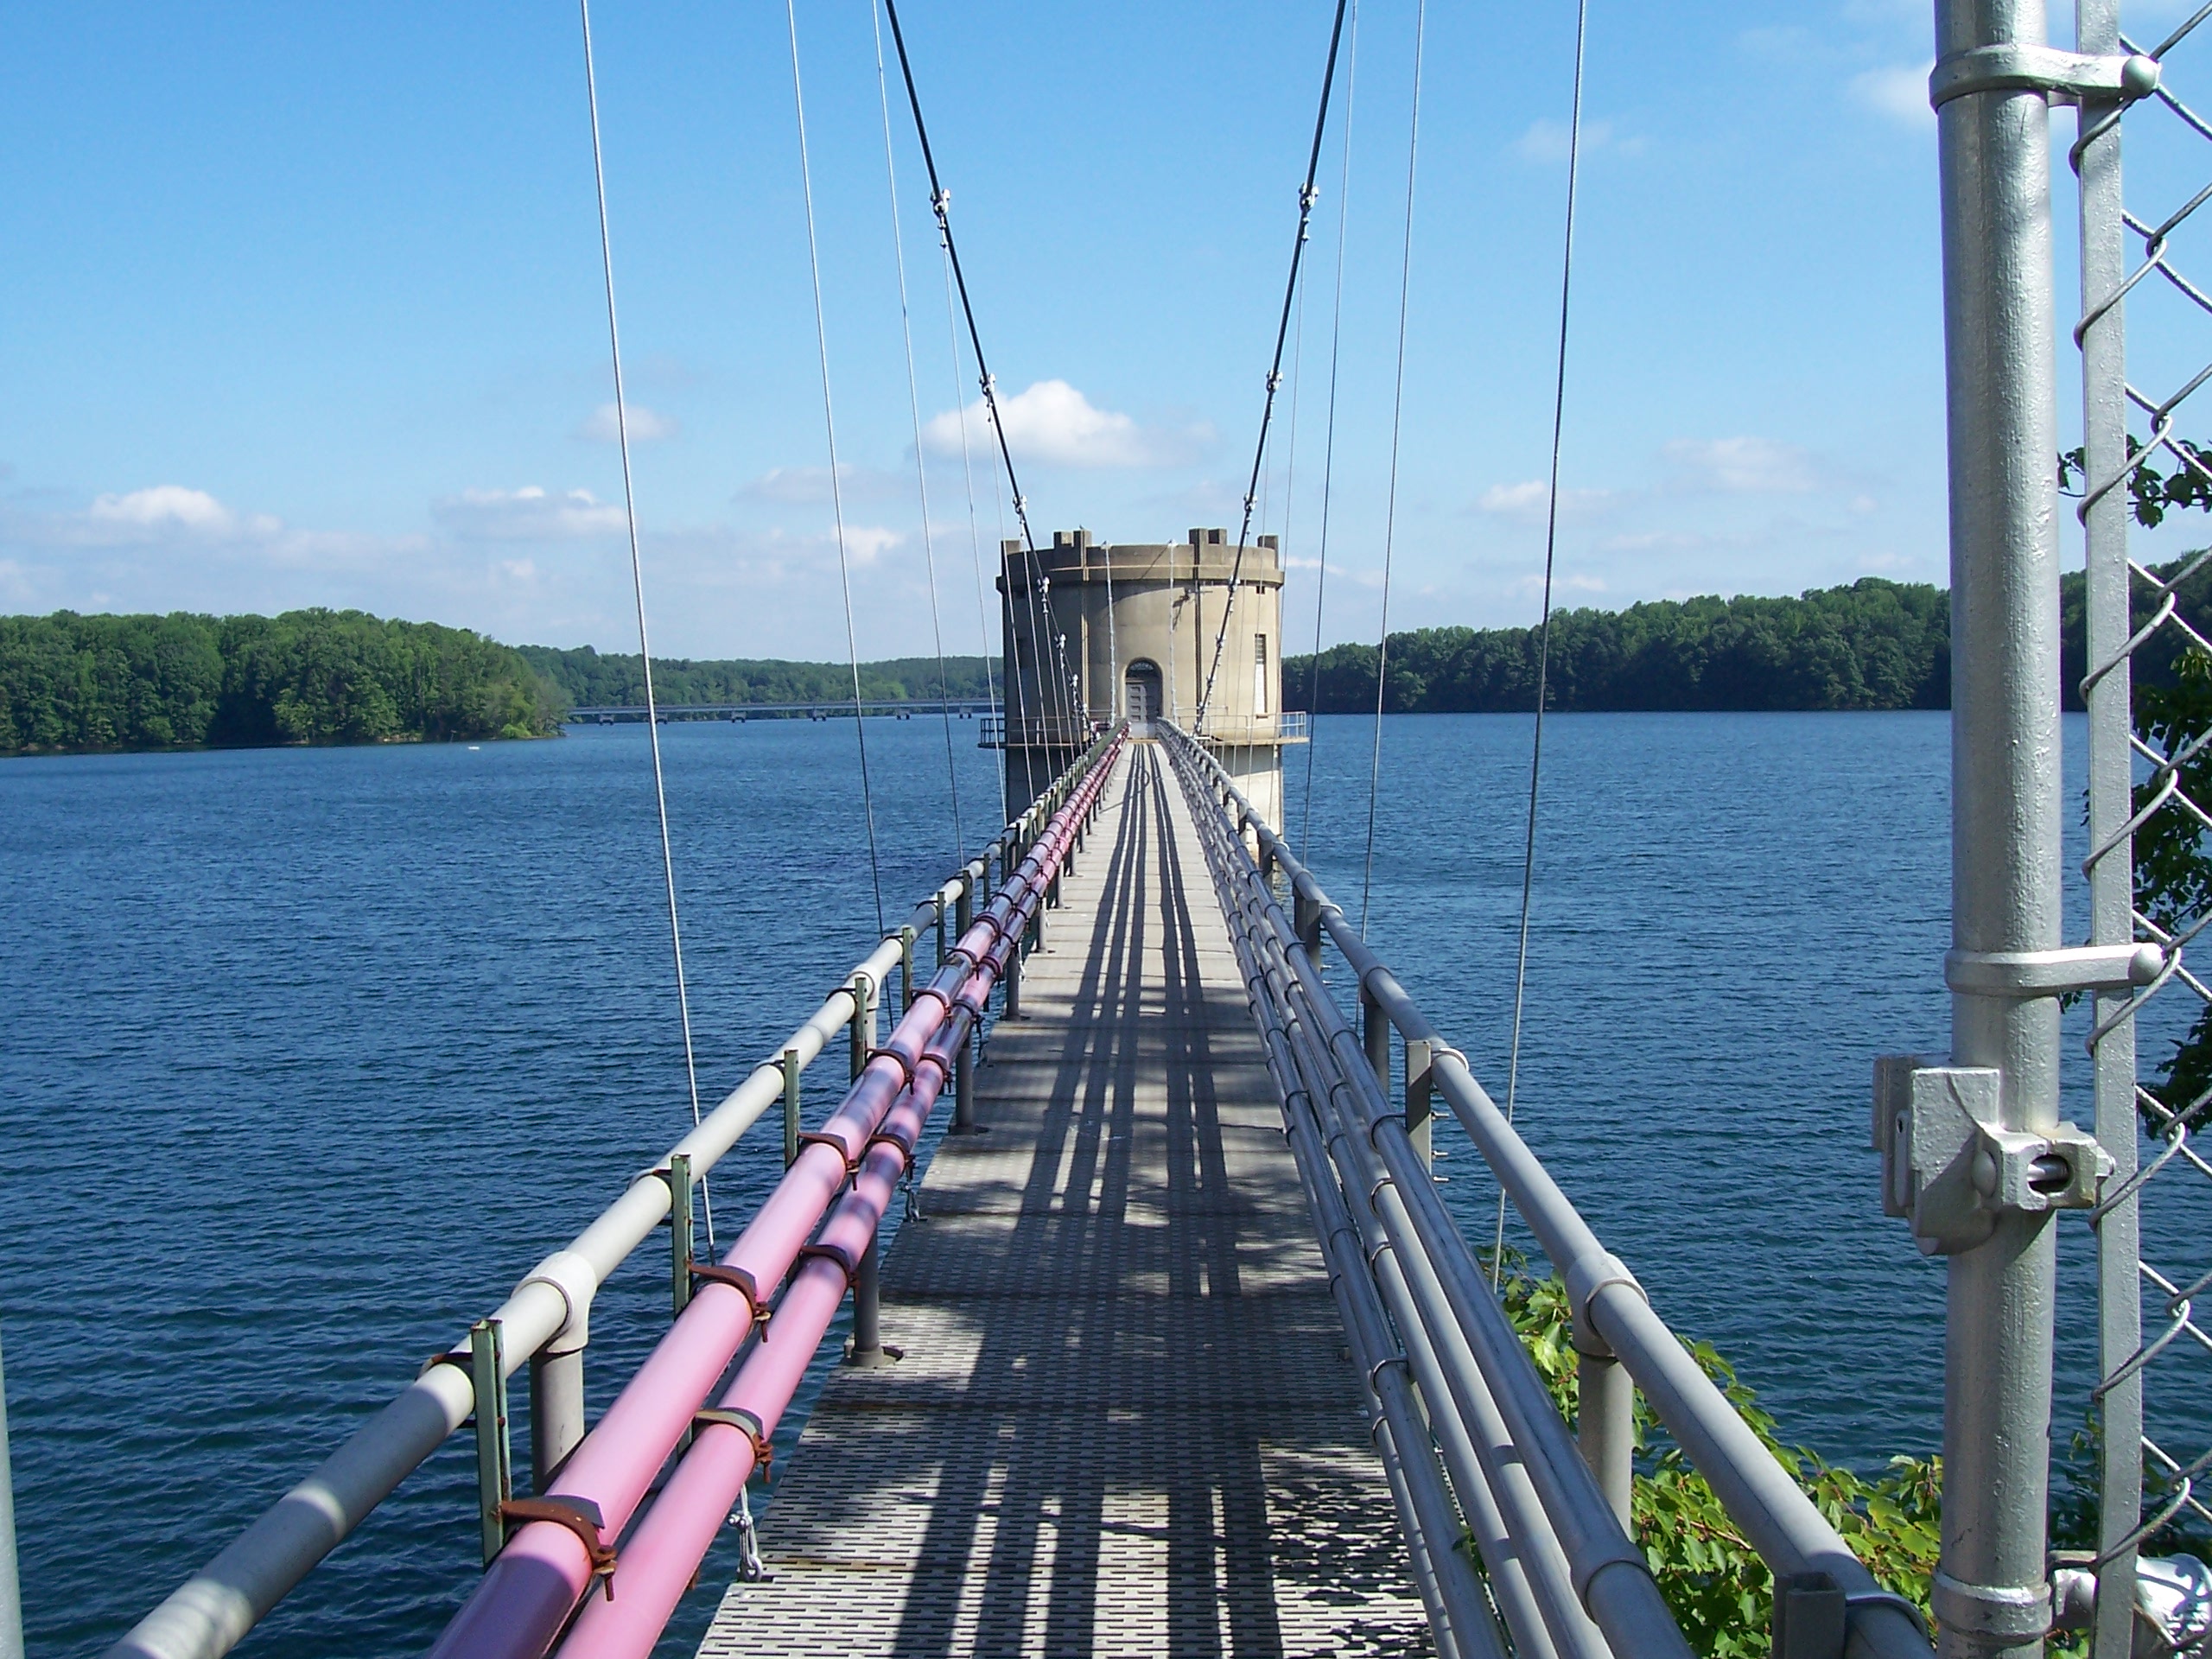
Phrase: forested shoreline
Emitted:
{"points": [[77, 684], [591, 678], [1871, 644]]}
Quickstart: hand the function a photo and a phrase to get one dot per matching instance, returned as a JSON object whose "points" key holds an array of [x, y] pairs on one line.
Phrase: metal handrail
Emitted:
{"points": [[213, 1610], [1613, 1317]]}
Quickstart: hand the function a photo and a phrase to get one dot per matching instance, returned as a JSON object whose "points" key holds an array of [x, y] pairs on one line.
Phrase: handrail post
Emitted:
{"points": [[1420, 1097], [905, 969], [867, 1350], [963, 1086], [681, 1240], [1992, 1595], [494, 1457], [1012, 982], [1604, 1429], [864, 1023], [790, 1107]]}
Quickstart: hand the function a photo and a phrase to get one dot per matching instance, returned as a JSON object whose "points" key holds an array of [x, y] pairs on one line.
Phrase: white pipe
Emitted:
{"points": [[213, 1610], [11, 1593]]}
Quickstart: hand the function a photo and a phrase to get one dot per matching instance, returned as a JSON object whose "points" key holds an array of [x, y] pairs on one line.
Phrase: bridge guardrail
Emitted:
{"points": [[1549, 1520], [545, 1323]]}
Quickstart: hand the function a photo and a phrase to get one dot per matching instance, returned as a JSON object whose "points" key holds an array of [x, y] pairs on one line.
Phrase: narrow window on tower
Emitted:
{"points": [[1260, 675]]}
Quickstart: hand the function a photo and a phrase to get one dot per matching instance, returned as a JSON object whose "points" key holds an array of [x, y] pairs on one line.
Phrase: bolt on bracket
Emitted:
{"points": [[1951, 1168]]}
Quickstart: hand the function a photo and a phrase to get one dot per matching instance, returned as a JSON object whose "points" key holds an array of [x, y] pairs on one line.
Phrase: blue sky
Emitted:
{"points": [[302, 306]]}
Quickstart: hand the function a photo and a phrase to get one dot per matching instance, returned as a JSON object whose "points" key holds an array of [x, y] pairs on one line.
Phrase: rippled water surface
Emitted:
{"points": [[307, 1055]]}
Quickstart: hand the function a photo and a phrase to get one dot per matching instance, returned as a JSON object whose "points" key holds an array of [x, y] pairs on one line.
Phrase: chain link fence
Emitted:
{"points": [[2145, 243]]}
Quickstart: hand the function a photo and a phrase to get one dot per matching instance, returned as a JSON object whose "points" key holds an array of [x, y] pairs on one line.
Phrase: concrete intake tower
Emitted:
{"points": [[1093, 630]]}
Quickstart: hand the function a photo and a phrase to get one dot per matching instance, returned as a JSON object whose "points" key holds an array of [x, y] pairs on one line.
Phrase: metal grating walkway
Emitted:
{"points": [[1124, 1422]]}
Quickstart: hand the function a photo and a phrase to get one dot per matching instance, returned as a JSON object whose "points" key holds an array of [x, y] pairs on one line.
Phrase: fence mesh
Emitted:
{"points": [[2146, 339]]}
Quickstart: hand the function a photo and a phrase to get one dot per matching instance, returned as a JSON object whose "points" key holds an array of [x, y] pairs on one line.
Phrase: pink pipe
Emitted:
{"points": [[661, 1557], [525, 1596]]}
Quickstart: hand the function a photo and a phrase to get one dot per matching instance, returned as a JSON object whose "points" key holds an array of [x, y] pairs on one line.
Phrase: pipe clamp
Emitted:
{"points": [[2010, 1612], [2064, 77], [1586, 1277], [577, 1280], [2029, 974]]}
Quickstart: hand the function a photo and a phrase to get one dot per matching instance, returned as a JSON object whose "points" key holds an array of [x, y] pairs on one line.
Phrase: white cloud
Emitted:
{"points": [[164, 507], [867, 542], [645, 424], [810, 486], [1054, 424], [1897, 93], [1548, 140], [1742, 465], [1528, 500], [1573, 581], [529, 514]]}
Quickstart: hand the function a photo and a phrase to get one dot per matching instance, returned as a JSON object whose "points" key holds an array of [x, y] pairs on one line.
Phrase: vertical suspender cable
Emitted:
{"points": [[1306, 197], [836, 488], [941, 202], [1329, 445], [921, 469], [975, 534], [1544, 632], [1390, 513], [637, 587]]}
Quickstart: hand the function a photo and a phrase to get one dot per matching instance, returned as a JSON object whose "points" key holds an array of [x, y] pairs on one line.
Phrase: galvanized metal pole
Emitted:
{"points": [[2112, 885], [1991, 1596], [11, 1594]]}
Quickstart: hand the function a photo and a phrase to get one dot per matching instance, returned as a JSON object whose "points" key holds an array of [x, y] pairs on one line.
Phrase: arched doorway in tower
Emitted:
{"points": [[1141, 692]]}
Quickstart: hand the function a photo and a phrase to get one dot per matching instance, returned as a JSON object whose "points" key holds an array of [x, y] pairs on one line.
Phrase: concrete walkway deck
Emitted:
{"points": [[1124, 1422]]}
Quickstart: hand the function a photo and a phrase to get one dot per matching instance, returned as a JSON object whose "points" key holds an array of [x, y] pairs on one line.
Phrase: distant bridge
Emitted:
{"points": [[896, 708]]}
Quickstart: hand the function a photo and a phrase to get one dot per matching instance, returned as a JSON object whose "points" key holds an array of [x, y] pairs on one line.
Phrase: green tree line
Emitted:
{"points": [[592, 679], [79, 684], [1871, 644]]}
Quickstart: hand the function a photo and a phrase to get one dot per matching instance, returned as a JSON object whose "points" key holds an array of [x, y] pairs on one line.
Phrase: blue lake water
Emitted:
{"points": [[307, 1055]]}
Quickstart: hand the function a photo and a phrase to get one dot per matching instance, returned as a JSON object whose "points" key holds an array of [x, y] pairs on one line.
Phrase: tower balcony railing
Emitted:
{"points": [[1294, 726], [1064, 731]]}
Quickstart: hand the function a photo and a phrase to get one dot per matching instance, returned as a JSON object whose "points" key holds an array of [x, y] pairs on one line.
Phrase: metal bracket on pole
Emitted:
{"points": [[2029, 974], [790, 1107], [2020, 66], [1950, 1167], [495, 1480], [680, 1231]]}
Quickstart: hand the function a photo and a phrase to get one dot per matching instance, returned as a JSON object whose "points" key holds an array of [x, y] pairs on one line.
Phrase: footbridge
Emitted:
{"points": [[1173, 1350]]}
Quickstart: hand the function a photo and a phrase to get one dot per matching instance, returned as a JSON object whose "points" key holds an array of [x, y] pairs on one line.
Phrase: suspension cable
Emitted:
{"points": [[836, 492], [1390, 514], [1306, 198], [921, 470], [637, 588], [1329, 445], [1544, 632], [941, 202], [974, 533]]}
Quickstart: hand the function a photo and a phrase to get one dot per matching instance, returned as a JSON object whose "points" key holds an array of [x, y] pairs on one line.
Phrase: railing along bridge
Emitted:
{"points": [[1116, 1423]]}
